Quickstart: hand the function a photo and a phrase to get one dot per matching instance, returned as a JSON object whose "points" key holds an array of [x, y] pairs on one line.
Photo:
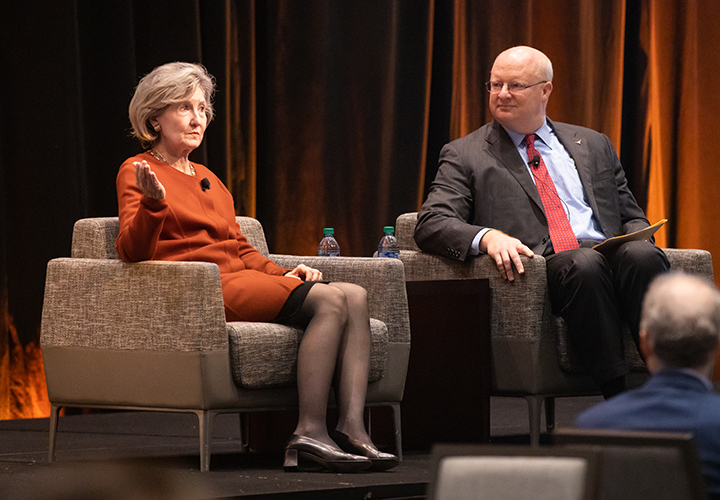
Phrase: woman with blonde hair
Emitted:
{"points": [[173, 209]]}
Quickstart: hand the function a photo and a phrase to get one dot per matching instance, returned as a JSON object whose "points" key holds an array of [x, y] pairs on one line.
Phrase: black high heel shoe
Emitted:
{"points": [[315, 453], [380, 460]]}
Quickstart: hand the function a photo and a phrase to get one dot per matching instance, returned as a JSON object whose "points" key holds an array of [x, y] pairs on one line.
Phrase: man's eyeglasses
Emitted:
{"points": [[513, 87]]}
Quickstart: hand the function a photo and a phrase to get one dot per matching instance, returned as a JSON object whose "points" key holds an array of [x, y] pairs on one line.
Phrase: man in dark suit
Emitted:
{"points": [[497, 189], [679, 334]]}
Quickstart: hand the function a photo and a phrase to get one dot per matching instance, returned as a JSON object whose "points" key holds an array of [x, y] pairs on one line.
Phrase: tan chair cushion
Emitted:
{"points": [[265, 354]]}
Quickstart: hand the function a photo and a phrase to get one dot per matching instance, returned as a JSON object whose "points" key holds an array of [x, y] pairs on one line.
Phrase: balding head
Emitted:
{"points": [[681, 320], [523, 56], [521, 110]]}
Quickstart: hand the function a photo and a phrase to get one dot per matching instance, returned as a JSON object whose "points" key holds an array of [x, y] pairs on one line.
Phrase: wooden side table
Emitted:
{"points": [[447, 392]]}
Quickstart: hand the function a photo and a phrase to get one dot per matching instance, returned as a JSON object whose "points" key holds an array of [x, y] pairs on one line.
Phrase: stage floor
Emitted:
{"points": [[107, 449]]}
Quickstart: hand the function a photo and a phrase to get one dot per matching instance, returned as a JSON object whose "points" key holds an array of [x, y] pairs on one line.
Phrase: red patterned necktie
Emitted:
{"points": [[561, 233]]}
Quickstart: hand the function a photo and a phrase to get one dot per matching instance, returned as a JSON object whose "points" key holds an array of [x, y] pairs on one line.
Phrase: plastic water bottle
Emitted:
{"points": [[328, 246], [388, 246]]}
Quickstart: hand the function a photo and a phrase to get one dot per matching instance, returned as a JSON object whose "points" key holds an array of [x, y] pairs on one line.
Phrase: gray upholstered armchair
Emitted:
{"points": [[530, 355], [153, 336]]}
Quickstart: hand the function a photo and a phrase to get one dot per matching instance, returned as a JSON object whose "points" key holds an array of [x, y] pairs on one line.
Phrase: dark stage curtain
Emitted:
{"points": [[71, 70], [333, 112], [341, 133]]}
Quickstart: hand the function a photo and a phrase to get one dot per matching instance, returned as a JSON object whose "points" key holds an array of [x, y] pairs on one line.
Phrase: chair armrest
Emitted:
{"points": [[384, 280], [697, 262], [95, 238], [520, 308], [154, 305], [405, 230]]}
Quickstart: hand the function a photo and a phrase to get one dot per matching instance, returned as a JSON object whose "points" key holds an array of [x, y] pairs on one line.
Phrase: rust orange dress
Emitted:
{"points": [[195, 225]]}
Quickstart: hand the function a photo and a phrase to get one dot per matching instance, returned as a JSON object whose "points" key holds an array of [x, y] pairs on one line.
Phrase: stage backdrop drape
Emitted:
{"points": [[584, 41], [681, 40], [341, 137], [70, 71], [332, 113]]}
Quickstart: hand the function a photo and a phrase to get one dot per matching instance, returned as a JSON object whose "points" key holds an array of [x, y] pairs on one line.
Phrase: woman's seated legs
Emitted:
{"points": [[326, 308], [336, 347], [353, 364]]}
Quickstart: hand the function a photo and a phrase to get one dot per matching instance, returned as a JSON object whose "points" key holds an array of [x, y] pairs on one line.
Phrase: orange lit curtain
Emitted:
{"points": [[682, 43], [583, 39]]}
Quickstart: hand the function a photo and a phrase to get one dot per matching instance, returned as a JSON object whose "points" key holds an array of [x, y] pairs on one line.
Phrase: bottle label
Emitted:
{"points": [[328, 247], [392, 255]]}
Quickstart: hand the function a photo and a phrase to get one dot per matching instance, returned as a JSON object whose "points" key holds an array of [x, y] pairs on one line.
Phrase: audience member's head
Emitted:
{"points": [[680, 323]]}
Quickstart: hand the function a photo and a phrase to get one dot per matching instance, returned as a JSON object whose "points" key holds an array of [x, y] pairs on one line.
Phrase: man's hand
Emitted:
{"points": [[505, 251]]}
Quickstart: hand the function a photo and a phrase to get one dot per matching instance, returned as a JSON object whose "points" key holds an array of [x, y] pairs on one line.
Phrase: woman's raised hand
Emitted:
{"points": [[147, 181]]}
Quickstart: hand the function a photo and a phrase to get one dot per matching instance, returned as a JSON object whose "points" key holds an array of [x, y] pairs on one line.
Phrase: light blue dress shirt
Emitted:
{"points": [[561, 168]]}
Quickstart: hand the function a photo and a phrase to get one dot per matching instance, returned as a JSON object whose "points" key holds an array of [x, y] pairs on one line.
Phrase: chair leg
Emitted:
{"points": [[244, 431], [205, 419], [54, 411], [534, 405], [397, 424], [550, 413]]}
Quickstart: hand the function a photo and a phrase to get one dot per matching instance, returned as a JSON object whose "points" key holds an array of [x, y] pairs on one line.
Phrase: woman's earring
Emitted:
{"points": [[157, 128]]}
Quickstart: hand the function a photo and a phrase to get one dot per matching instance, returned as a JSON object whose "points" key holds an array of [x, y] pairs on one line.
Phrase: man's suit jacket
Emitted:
{"points": [[482, 182], [673, 401]]}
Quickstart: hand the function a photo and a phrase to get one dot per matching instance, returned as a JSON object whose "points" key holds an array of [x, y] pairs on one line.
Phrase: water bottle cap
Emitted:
{"points": [[328, 231], [388, 229]]}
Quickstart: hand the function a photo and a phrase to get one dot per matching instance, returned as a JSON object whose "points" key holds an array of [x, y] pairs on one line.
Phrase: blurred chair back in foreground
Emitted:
{"points": [[465, 472], [657, 465]]}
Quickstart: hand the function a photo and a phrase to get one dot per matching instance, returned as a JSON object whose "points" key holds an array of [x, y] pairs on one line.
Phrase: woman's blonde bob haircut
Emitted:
{"points": [[168, 84]]}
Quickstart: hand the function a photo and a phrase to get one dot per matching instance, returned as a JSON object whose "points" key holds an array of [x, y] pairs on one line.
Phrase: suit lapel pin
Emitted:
{"points": [[578, 141]]}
